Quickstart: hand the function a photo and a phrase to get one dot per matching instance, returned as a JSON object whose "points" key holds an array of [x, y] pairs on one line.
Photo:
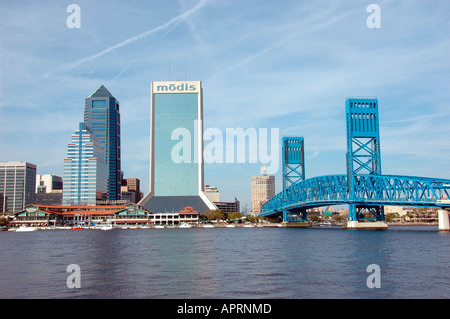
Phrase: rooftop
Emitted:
{"points": [[102, 91]]}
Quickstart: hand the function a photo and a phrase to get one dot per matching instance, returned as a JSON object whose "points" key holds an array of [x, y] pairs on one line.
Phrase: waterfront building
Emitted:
{"points": [[263, 188], [17, 185], [176, 148], [85, 169], [91, 216], [102, 117], [212, 193], [53, 198], [229, 207], [128, 197]]}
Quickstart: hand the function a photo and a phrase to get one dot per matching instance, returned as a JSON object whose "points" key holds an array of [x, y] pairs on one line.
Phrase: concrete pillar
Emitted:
{"points": [[444, 219], [354, 224]]}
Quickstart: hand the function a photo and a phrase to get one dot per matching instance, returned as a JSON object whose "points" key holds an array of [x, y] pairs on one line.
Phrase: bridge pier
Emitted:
{"points": [[295, 219], [444, 219], [354, 224], [296, 224], [355, 212]]}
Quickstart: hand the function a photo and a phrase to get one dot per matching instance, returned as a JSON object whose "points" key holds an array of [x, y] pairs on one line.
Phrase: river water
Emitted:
{"points": [[413, 261]]}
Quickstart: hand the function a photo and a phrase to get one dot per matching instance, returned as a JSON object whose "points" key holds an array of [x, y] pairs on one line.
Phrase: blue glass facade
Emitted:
{"points": [[176, 148], [102, 117], [175, 111], [85, 170]]}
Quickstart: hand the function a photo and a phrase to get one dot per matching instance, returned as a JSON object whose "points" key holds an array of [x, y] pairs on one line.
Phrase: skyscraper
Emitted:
{"points": [[17, 185], [176, 148], [263, 188], [102, 117], [85, 169]]}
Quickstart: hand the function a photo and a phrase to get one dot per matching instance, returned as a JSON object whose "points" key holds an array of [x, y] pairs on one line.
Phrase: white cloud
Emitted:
{"points": [[174, 21]]}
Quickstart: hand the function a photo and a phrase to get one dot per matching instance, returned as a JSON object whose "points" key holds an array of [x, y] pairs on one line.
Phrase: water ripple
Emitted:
{"points": [[226, 263]]}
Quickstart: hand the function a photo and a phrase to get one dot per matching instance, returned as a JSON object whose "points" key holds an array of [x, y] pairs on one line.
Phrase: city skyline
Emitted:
{"points": [[262, 65]]}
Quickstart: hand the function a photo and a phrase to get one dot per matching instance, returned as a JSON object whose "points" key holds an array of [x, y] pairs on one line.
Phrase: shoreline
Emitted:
{"points": [[270, 225], [414, 224]]}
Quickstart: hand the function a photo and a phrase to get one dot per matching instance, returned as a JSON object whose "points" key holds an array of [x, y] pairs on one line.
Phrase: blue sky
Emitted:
{"points": [[263, 64]]}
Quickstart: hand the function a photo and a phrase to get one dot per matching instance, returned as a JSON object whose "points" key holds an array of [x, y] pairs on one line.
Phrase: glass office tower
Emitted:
{"points": [[102, 117], [176, 148], [85, 169]]}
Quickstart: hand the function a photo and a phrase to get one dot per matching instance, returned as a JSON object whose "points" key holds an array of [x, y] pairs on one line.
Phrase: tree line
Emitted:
{"points": [[217, 214]]}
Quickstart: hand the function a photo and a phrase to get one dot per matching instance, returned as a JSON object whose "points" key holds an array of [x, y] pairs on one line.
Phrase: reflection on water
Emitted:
{"points": [[226, 263]]}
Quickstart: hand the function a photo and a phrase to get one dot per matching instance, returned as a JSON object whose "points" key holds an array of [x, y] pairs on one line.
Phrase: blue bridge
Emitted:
{"points": [[364, 189]]}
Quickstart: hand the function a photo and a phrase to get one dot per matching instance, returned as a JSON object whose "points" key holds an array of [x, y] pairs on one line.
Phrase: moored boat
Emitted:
{"points": [[26, 229], [106, 227]]}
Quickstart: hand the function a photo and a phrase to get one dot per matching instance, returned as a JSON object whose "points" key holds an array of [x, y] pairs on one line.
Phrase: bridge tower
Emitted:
{"points": [[363, 151], [293, 157]]}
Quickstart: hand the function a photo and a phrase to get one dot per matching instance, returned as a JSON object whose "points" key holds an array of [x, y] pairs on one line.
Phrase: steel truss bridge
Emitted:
{"points": [[363, 188], [370, 190]]}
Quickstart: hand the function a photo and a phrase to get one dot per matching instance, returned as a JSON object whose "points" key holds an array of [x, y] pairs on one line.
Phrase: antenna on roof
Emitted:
{"points": [[185, 70], [169, 69]]}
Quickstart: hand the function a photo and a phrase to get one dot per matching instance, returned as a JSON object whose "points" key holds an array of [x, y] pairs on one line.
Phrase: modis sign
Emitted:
{"points": [[176, 87]]}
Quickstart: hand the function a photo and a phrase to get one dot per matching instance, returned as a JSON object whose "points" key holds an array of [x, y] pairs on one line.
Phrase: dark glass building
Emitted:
{"points": [[102, 117]]}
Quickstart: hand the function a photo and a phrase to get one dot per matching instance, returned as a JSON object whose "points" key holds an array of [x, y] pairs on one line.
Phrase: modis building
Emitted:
{"points": [[176, 148]]}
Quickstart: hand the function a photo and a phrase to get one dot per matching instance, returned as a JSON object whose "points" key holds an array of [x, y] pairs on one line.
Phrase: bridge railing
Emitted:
{"points": [[367, 190]]}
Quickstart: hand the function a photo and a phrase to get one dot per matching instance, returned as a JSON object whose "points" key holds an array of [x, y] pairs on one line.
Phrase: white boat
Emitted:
{"points": [[159, 226], [248, 226], [26, 229], [208, 226], [185, 225], [230, 226], [106, 227]]}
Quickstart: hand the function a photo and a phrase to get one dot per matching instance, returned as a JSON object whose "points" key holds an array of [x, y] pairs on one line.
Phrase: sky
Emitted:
{"points": [[287, 65]]}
